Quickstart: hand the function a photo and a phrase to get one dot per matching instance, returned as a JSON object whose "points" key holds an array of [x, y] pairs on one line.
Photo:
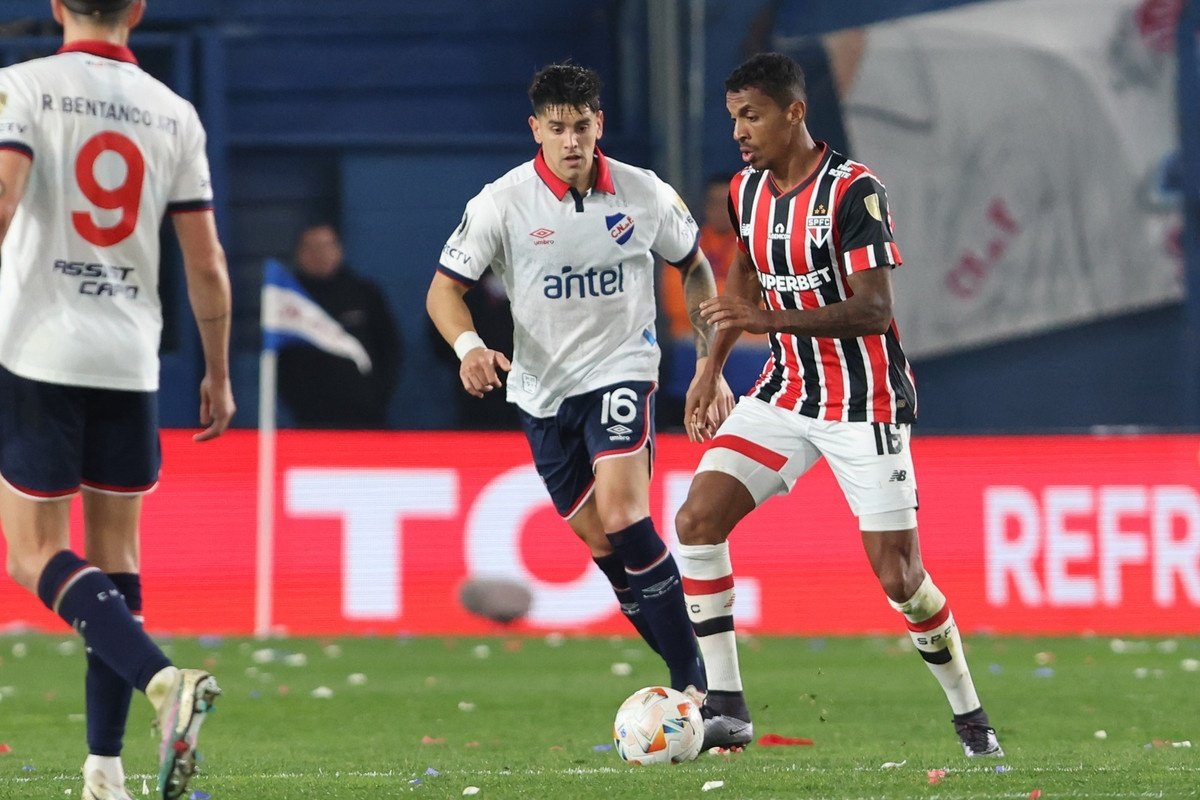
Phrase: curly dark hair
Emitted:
{"points": [[774, 74], [565, 85]]}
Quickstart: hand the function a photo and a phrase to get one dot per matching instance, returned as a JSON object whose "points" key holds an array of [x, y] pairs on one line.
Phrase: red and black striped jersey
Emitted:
{"points": [[805, 243]]}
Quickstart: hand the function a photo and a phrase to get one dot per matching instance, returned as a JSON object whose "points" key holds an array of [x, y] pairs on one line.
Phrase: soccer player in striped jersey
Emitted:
{"points": [[816, 247], [571, 235], [93, 154]]}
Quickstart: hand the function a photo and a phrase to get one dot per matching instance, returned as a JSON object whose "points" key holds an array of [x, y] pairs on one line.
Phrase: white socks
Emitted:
{"points": [[932, 628], [708, 591]]}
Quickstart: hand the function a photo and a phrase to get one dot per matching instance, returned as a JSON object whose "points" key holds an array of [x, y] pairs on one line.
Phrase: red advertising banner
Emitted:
{"points": [[376, 531]]}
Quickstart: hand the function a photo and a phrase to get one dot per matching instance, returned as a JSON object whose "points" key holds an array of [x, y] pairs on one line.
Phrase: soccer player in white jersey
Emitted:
{"points": [[571, 234], [815, 245], [93, 154]]}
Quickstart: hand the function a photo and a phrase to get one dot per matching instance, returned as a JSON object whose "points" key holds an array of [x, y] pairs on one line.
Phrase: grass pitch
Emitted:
{"points": [[531, 718]]}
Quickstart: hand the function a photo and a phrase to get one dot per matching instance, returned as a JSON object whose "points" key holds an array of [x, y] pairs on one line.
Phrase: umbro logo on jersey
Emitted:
{"points": [[542, 235], [620, 227], [619, 431]]}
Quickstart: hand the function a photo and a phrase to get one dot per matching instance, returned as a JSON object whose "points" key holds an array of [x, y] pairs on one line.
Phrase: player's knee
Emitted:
{"points": [[695, 526], [621, 516], [24, 568]]}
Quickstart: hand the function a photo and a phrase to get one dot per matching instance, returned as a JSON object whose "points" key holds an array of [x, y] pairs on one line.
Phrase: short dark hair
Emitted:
{"points": [[773, 74], [105, 12], [565, 85]]}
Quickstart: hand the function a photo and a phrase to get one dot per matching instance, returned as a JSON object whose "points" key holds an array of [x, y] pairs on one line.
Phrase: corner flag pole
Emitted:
{"points": [[265, 545]]}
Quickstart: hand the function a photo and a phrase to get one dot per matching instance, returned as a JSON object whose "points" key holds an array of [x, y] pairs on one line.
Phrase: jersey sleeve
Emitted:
{"points": [[17, 112], [865, 228], [475, 243], [678, 235], [192, 187]]}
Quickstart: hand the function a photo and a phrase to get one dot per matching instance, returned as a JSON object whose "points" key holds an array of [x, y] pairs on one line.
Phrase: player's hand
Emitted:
{"points": [[725, 311], [709, 401], [480, 371], [216, 408]]}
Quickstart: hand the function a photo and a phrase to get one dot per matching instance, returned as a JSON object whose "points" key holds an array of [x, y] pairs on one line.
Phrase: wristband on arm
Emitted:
{"points": [[466, 342]]}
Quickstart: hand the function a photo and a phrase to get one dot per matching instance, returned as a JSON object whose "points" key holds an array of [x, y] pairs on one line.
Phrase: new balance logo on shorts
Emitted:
{"points": [[898, 475]]}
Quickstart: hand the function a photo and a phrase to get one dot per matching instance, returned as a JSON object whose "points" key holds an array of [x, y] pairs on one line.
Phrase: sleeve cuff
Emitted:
{"points": [[454, 276]]}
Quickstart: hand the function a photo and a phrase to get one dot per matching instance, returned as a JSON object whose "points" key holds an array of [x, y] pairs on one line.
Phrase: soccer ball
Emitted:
{"points": [[657, 725]]}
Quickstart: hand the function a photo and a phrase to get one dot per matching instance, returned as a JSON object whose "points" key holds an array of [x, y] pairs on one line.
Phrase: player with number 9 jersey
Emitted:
{"points": [[94, 153], [112, 151]]}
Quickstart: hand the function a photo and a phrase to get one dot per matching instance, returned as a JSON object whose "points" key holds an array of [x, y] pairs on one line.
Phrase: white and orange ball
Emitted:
{"points": [[658, 725]]}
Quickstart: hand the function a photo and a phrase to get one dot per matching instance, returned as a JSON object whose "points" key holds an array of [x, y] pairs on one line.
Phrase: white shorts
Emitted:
{"points": [[767, 449]]}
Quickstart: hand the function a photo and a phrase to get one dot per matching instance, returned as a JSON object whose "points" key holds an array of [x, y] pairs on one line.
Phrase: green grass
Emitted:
{"points": [[541, 717]]}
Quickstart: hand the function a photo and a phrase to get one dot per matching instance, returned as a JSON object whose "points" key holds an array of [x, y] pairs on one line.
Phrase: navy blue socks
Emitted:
{"points": [[108, 694], [614, 569], [91, 604], [654, 579]]}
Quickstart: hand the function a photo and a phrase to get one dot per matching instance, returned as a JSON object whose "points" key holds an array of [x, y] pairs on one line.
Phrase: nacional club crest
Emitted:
{"points": [[620, 227]]}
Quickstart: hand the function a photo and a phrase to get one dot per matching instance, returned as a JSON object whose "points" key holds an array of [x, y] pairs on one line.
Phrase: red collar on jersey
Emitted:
{"points": [[117, 52], [604, 181]]}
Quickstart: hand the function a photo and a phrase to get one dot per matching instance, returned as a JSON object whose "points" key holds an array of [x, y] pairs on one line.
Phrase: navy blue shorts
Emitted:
{"points": [[611, 421], [55, 438]]}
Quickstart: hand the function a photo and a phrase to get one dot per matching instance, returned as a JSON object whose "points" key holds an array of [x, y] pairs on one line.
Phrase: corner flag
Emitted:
{"points": [[289, 315]]}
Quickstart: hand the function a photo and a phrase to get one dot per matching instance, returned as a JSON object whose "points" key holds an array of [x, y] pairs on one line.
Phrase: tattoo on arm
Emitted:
{"points": [[699, 285]]}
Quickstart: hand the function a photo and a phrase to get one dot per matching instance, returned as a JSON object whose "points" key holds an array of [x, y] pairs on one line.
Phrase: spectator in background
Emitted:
{"points": [[323, 390]]}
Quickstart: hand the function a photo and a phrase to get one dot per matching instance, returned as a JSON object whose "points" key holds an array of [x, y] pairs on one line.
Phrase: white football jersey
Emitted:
{"points": [[113, 151], [579, 272]]}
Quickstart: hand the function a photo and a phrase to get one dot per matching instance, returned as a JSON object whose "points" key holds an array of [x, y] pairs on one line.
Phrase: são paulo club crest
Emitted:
{"points": [[620, 226]]}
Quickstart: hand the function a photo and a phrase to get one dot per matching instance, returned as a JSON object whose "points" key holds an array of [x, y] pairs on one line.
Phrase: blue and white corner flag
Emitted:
{"points": [[289, 315]]}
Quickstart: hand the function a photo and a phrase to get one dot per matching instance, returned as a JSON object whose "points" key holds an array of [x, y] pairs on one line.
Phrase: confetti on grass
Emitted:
{"points": [[710, 785], [775, 740]]}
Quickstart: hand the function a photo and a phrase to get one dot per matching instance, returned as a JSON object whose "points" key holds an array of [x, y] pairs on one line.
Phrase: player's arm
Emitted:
{"points": [[447, 307], [742, 285], [698, 285], [14, 175], [210, 297], [708, 400]]}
